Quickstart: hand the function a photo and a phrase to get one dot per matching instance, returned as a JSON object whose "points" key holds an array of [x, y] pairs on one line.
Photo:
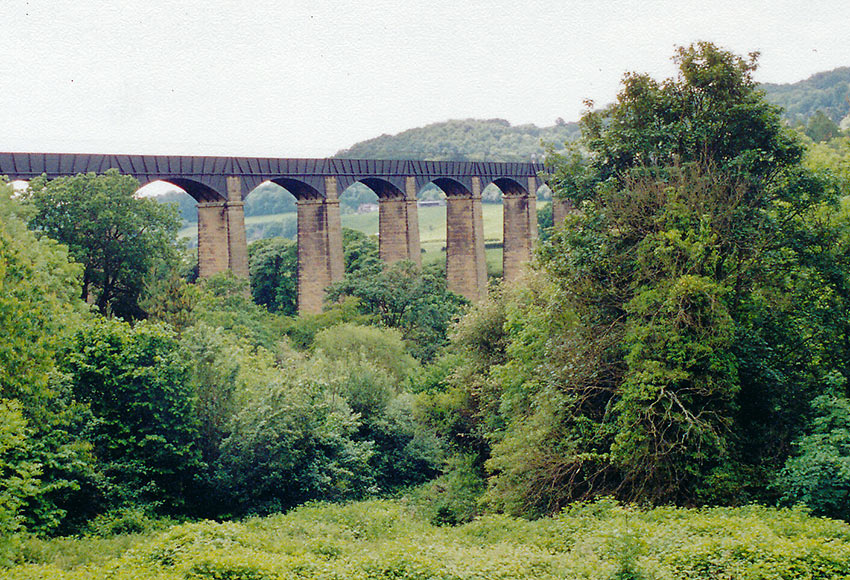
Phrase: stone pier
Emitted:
{"points": [[520, 228], [213, 251], [399, 226], [560, 209], [221, 234], [466, 268], [320, 259]]}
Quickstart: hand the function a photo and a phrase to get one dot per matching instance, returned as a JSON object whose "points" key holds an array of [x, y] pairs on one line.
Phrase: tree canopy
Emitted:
{"points": [[116, 236]]}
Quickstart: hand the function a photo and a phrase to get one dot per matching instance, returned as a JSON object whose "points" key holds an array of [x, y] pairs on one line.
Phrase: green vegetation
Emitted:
{"points": [[681, 341], [465, 140], [826, 92], [381, 539]]}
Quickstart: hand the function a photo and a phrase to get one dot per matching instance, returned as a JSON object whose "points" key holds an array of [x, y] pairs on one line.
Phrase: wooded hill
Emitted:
{"points": [[466, 140], [825, 91]]}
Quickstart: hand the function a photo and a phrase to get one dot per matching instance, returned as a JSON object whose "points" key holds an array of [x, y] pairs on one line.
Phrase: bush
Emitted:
{"points": [[818, 475]]}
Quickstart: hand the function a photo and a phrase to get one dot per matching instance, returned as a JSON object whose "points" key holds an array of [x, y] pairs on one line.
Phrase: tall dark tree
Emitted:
{"points": [[672, 354], [116, 236]]}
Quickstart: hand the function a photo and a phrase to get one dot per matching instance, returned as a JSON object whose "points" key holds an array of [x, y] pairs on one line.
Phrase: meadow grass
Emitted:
{"points": [[383, 539]]}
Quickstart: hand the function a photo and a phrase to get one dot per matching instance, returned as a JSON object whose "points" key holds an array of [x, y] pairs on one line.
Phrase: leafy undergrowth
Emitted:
{"points": [[383, 540]]}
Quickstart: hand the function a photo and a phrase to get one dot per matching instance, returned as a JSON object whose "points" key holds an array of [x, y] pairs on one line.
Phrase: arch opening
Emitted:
{"points": [[270, 211]]}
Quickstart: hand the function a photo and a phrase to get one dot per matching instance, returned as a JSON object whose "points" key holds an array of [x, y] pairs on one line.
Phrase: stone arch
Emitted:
{"points": [[452, 187], [300, 189], [200, 192], [383, 189]]}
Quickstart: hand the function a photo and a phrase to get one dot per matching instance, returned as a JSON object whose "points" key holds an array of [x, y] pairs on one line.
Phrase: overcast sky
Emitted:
{"points": [[306, 79]]}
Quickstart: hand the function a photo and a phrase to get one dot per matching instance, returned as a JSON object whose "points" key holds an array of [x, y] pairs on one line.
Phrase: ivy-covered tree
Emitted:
{"points": [[681, 327]]}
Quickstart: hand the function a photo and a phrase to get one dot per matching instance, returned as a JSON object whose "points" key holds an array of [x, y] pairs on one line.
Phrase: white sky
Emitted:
{"points": [[306, 79]]}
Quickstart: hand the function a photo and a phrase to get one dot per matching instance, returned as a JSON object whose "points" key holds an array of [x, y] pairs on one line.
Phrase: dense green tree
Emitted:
{"points": [[360, 252], [818, 473], [405, 297], [292, 442], [680, 327], [115, 235], [273, 266], [144, 427], [39, 307], [224, 302], [821, 128]]}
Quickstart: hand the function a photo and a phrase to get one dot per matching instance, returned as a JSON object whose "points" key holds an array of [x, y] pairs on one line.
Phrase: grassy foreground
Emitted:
{"points": [[383, 539]]}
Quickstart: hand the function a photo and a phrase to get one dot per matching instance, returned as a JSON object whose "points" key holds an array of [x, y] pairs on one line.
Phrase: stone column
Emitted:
{"points": [[399, 226], [414, 249], [392, 227], [466, 269], [313, 274], [560, 209], [213, 251], [516, 247], [320, 259], [236, 241], [336, 260], [532, 212]]}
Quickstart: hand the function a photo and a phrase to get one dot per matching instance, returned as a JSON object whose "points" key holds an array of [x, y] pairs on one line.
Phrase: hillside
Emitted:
{"points": [[465, 140], [825, 91]]}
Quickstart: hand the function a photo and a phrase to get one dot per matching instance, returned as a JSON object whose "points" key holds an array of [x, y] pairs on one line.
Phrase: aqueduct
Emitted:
{"points": [[221, 184]]}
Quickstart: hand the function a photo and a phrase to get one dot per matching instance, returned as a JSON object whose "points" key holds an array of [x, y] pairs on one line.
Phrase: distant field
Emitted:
{"points": [[432, 230]]}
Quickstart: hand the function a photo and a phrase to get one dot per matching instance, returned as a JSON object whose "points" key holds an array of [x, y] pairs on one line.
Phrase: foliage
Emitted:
{"points": [[302, 330], [464, 140], [273, 264], [225, 302], [116, 236], [825, 91], [143, 426], [360, 252], [292, 443], [39, 306], [454, 497], [381, 539], [821, 128], [405, 297], [19, 474], [818, 475], [680, 318]]}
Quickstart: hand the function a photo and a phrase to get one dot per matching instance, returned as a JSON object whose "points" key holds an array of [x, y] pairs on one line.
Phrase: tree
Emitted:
{"points": [[681, 325], [405, 297], [144, 427], [821, 128], [273, 264], [39, 308], [116, 236]]}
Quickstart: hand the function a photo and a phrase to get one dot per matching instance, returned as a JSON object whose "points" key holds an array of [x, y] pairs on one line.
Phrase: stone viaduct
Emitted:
{"points": [[221, 184]]}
